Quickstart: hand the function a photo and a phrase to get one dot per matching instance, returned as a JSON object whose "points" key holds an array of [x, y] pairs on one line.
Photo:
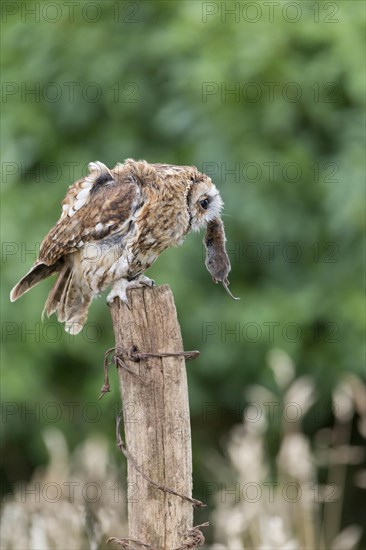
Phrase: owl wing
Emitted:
{"points": [[94, 207]]}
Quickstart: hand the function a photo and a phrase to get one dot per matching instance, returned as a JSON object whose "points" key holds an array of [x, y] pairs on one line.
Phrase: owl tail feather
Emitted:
{"points": [[54, 296], [69, 301], [32, 278]]}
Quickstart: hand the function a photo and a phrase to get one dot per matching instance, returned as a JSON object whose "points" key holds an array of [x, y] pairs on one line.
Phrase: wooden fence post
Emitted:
{"points": [[156, 417]]}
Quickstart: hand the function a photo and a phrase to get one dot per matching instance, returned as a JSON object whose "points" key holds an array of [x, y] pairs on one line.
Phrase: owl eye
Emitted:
{"points": [[204, 204]]}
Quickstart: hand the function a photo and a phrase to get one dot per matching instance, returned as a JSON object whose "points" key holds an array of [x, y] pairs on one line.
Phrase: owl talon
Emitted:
{"points": [[119, 289], [145, 281]]}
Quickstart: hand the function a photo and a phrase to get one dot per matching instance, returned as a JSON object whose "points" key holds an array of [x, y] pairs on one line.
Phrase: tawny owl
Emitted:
{"points": [[113, 226]]}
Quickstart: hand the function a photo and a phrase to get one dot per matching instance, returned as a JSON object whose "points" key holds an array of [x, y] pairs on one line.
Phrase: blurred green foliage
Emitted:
{"points": [[281, 103]]}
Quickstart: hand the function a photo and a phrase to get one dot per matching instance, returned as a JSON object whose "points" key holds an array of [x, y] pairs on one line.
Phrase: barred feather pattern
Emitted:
{"points": [[113, 225]]}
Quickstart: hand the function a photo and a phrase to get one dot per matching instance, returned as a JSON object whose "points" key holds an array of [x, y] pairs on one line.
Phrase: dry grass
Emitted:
{"points": [[75, 503], [283, 506]]}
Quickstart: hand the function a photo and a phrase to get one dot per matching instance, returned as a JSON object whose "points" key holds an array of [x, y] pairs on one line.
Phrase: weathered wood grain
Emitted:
{"points": [[156, 417]]}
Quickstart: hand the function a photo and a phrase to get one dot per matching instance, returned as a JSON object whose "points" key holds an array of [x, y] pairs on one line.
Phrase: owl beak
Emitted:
{"points": [[217, 260]]}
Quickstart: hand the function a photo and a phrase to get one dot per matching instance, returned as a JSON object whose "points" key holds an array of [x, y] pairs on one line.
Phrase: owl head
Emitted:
{"points": [[204, 207], [203, 201]]}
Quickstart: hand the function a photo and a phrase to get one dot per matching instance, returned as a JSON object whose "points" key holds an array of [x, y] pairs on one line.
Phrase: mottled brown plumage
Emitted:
{"points": [[113, 226]]}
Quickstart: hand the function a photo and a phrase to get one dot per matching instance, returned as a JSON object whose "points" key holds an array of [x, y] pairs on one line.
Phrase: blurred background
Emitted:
{"points": [[268, 99]]}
